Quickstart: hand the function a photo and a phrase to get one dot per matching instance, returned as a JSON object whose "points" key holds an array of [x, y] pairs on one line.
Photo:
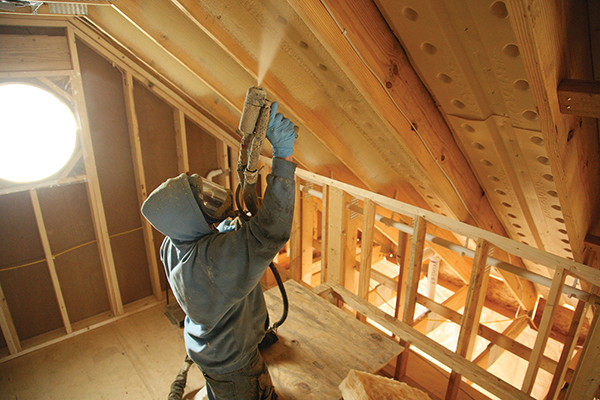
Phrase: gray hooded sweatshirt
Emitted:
{"points": [[215, 276]]}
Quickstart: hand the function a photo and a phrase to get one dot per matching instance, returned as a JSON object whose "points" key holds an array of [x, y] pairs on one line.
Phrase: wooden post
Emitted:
{"points": [[308, 210], [414, 268], [8, 326], [181, 140], [324, 231], [335, 237], [366, 253], [544, 329], [140, 181], [93, 186], [295, 239], [472, 313], [568, 349], [50, 260], [584, 383], [350, 232]]}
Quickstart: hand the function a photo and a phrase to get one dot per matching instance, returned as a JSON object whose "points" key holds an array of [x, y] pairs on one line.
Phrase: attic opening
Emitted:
{"points": [[38, 133]]}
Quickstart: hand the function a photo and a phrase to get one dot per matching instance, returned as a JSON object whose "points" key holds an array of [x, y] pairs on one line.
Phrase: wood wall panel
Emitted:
{"points": [[31, 300], [103, 86], [134, 280], [157, 138], [203, 151], [66, 212]]}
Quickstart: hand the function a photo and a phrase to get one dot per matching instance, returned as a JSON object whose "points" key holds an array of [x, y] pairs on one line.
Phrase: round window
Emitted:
{"points": [[38, 133]]}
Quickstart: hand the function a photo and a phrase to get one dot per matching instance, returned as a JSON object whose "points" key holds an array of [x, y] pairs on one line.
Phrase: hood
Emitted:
{"points": [[172, 209]]}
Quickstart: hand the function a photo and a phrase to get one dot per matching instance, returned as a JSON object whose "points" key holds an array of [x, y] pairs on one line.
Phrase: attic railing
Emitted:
{"points": [[338, 243]]}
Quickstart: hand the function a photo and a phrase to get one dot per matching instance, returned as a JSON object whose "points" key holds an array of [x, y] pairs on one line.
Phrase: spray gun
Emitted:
{"points": [[253, 127]]}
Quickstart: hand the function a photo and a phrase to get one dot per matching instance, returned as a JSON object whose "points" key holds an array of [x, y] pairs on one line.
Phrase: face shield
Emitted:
{"points": [[215, 201]]}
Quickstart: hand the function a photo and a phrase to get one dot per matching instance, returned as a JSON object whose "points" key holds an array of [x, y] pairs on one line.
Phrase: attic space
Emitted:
{"points": [[445, 241]]}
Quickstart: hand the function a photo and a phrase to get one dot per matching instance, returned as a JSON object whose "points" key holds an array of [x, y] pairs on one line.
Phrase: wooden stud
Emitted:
{"points": [[324, 231], [579, 97], [350, 230], [568, 349], [50, 260], [492, 352], [181, 139], [585, 381], [454, 302], [472, 313], [94, 192], [366, 253], [553, 301], [335, 236], [414, 268], [308, 209], [224, 165], [140, 181], [295, 239], [8, 326]]}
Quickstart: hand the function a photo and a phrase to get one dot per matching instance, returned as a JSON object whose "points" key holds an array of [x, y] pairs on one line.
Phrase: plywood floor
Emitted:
{"points": [[134, 358]]}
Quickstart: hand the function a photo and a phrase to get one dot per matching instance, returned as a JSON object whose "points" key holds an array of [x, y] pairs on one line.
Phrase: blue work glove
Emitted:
{"points": [[226, 225], [280, 133]]}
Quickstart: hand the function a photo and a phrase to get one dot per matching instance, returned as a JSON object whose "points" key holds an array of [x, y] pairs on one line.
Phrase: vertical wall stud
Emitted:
{"points": [[295, 244], [308, 210], [414, 268], [8, 327], [183, 163], [140, 180], [324, 231], [335, 237], [366, 253]]}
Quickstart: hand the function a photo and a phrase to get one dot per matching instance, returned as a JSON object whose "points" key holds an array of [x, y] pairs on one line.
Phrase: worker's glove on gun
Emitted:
{"points": [[226, 226], [280, 133]]}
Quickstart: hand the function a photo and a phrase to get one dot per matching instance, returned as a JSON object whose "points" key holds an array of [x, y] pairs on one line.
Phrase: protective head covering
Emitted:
{"points": [[215, 201], [173, 210]]}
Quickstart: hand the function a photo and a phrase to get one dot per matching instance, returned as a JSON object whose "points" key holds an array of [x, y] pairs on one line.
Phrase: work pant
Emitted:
{"points": [[251, 382]]}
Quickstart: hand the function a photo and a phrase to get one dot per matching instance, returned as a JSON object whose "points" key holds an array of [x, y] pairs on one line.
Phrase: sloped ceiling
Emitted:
{"points": [[444, 104]]}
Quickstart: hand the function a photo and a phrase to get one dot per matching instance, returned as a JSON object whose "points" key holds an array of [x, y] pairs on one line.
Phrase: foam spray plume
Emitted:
{"points": [[269, 45]]}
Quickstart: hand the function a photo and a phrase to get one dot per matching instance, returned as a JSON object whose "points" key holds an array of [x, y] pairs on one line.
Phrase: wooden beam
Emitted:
{"points": [[447, 357], [50, 260], [492, 352], [296, 239], [553, 41], [308, 210], [93, 186], [140, 181], [454, 302], [578, 97], [366, 249], [324, 230], [472, 314], [585, 381], [553, 301], [414, 268], [181, 140], [335, 236]]}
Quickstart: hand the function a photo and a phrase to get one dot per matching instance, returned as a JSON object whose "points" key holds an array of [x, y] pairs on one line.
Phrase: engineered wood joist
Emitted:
{"points": [[362, 43], [554, 43]]}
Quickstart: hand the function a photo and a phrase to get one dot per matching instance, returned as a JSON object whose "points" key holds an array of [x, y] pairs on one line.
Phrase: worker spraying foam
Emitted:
{"points": [[215, 272]]}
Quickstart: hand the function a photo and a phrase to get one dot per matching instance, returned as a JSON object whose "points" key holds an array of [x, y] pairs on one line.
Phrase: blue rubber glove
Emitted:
{"points": [[280, 133], [226, 225]]}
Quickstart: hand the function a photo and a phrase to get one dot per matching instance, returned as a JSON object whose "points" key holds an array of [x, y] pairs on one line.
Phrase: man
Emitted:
{"points": [[215, 274]]}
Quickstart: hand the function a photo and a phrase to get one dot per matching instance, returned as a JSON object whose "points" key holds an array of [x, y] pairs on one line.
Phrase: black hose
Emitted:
{"points": [[284, 298]]}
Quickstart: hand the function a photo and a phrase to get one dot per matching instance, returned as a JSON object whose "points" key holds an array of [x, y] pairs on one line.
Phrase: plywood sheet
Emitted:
{"points": [[31, 300], [157, 138], [203, 150], [109, 129], [68, 221], [134, 276], [318, 345]]}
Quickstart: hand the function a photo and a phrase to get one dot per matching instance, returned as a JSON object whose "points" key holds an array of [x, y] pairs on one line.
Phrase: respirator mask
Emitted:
{"points": [[215, 201]]}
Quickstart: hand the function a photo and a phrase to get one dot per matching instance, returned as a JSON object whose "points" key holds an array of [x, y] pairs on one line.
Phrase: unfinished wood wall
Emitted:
{"points": [[67, 211]]}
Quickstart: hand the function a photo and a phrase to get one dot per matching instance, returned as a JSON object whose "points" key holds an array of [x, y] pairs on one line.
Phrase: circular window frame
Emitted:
{"points": [[77, 128]]}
